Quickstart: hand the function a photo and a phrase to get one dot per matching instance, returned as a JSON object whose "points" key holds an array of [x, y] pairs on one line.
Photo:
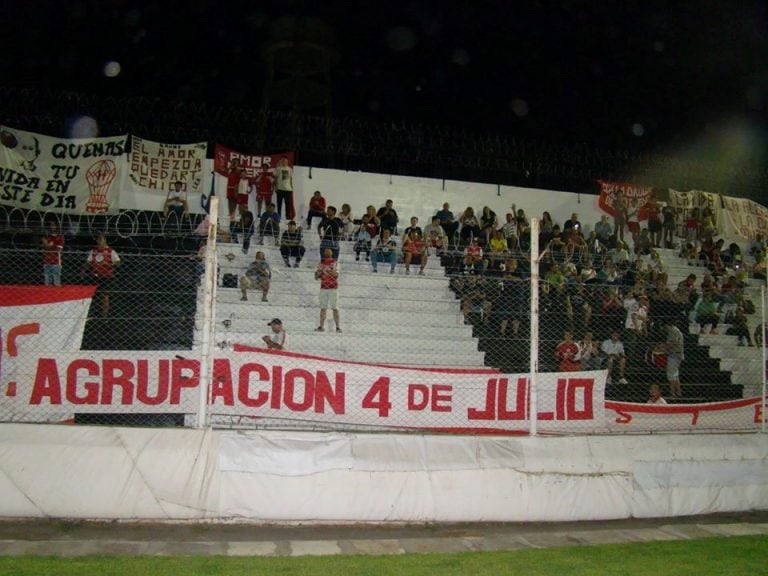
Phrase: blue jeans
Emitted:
{"points": [[377, 256], [52, 274]]}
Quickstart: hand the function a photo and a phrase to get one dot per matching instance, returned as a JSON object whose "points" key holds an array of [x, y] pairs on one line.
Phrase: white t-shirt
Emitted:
{"points": [[612, 348], [280, 338], [284, 178]]}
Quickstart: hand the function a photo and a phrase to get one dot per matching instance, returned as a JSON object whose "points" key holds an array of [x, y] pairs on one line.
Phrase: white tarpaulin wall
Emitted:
{"points": [[117, 473]]}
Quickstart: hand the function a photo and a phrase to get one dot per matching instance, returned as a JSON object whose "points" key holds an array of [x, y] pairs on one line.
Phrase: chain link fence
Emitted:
{"points": [[159, 326]]}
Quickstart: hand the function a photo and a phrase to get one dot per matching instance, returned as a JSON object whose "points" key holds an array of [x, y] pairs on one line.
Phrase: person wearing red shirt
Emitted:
{"points": [[567, 353], [235, 174], [53, 246], [264, 184], [101, 263], [316, 207], [328, 273], [414, 249]]}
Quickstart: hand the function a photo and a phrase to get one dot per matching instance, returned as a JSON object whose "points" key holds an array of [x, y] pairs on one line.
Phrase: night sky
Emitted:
{"points": [[642, 75]]}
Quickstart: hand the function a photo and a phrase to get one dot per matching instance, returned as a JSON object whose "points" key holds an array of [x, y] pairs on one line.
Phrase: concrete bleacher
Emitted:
{"points": [[386, 318], [743, 363]]}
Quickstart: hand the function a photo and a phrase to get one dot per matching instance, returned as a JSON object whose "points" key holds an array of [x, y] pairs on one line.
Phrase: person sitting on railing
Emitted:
{"points": [[292, 245], [174, 202], [269, 224]]}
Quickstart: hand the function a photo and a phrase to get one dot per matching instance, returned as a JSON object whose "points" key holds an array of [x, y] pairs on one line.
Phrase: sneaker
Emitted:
{"points": [[244, 299], [296, 265], [392, 271], [264, 299], [407, 272], [287, 263], [357, 257], [421, 272], [338, 329], [713, 332], [319, 329], [623, 381], [374, 270]]}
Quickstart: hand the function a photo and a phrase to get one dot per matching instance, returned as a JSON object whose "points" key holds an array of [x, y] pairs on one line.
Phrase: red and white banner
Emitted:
{"points": [[609, 191], [744, 218], [35, 321], [71, 176], [254, 165], [154, 166]]}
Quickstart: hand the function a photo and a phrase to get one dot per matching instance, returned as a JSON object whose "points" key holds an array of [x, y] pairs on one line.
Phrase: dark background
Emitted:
{"points": [[638, 81]]}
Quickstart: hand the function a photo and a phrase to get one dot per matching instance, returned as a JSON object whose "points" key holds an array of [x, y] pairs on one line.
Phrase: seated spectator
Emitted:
{"points": [[620, 255], [316, 207], [276, 339], [575, 245], [686, 290], [269, 224], [257, 275], [523, 227], [567, 354], [176, 202], [373, 219], [656, 266], [414, 250], [643, 243], [589, 351], [572, 223], [347, 222], [385, 251], [362, 237], [413, 227], [545, 228], [612, 311], [434, 236], [488, 223], [448, 222], [498, 251], [245, 228], [757, 248], [509, 230], [556, 246], [608, 274], [654, 395], [707, 314], [388, 217], [740, 327], [470, 225], [613, 350], [474, 304], [292, 245], [473, 256]]}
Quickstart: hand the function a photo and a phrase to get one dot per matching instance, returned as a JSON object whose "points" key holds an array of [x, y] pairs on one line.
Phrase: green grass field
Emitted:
{"points": [[747, 555]]}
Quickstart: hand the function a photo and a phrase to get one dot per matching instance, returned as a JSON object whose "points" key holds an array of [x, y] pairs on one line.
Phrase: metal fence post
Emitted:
{"points": [[209, 313], [534, 311]]}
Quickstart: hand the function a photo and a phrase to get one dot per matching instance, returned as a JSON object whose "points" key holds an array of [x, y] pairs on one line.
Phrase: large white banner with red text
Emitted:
{"points": [[744, 218], [71, 176], [37, 321], [156, 166]]}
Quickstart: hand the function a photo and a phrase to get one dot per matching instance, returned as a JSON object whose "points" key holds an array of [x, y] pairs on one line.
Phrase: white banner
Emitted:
{"points": [[155, 166], [72, 176], [35, 321], [744, 218], [684, 202]]}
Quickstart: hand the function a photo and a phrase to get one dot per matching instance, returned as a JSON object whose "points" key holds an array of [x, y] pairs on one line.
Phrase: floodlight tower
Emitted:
{"points": [[299, 56]]}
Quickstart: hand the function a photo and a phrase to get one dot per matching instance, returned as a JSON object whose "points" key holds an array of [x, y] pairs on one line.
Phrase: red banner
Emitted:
{"points": [[609, 191], [254, 165]]}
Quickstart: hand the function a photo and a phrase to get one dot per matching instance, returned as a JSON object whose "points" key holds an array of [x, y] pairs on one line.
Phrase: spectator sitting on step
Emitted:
{"points": [[707, 314], [643, 245], [257, 275], [292, 245], [276, 339], [245, 228], [654, 395], [413, 227], [589, 351], [740, 327], [347, 222], [388, 217], [475, 306], [316, 207], [362, 237], [373, 219], [498, 251], [603, 229], [434, 236], [176, 202], [470, 225], [385, 251], [613, 350], [473, 256], [269, 224], [567, 354], [448, 223], [488, 223], [414, 250], [509, 230]]}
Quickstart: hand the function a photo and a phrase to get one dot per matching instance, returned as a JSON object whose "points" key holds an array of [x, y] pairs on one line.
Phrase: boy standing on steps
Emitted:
{"points": [[328, 274]]}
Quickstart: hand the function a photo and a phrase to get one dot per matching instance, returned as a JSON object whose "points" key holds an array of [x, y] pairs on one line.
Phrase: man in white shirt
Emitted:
{"points": [[276, 339]]}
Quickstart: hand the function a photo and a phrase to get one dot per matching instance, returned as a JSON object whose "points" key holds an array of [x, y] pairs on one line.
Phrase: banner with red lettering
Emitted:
{"points": [[693, 202], [744, 218], [632, 192], [34, 321], [254, 165], [155, 166], [64, 175]]}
